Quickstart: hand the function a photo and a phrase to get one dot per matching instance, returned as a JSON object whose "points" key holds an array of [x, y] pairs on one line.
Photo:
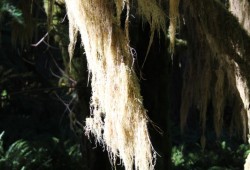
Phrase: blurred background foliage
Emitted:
{"points": [[43, 104], [37, 95], [52, 154]]}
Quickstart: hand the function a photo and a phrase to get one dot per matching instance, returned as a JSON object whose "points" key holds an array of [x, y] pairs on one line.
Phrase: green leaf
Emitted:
{"points": [[3, 95], [13, 11], [1, 135], [223, 145]]}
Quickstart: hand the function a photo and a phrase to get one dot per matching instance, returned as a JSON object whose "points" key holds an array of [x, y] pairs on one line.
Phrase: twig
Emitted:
{"points": [[41, 40]]}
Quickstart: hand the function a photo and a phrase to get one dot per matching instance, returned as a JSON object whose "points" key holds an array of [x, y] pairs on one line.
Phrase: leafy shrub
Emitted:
{"points": [[52, 154], [222, 156]]}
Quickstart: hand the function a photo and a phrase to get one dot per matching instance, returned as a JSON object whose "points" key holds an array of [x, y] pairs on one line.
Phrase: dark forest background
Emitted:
{"points": [[43, 104]]}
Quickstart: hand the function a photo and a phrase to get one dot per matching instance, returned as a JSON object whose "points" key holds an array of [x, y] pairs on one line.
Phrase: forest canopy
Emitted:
{"points": [[143, 79]]}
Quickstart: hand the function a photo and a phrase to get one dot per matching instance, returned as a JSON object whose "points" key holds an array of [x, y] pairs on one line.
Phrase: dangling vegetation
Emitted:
{"points": [[173, 17], [197, 83], [219, 75], [118, 118], [240, 9]]}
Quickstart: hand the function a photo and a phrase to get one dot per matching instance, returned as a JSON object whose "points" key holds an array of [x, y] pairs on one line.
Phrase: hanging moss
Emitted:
{"points": [[118, 118], [240, 9], [173, 15], [215, 35]]}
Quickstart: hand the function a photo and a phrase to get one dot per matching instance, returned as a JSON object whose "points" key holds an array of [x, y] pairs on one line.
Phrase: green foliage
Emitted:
{"points": [[13, 11], [220, 157], [20, 155], [31, 104], [177, 156], [24, 155], [1, 145]]}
